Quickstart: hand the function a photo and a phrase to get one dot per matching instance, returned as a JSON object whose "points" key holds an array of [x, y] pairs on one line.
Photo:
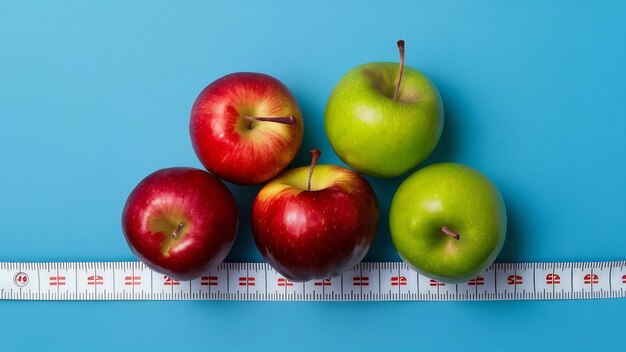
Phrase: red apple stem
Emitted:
{"points": [[401, 49], [177, 231], [315, 154], [287, 120], [451, 233]]}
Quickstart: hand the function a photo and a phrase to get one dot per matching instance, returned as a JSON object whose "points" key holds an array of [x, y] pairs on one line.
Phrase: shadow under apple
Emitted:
{"points": [[451, 137], [514, 242], [244, 249]]}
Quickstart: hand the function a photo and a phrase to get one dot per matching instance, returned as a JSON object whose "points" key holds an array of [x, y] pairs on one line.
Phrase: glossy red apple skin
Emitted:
{"points": [[308, 235], [232, 148], [168, 197]]}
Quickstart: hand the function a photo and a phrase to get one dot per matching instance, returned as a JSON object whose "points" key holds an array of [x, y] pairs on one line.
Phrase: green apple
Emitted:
{"points": [[383, 119], [448, 222]]}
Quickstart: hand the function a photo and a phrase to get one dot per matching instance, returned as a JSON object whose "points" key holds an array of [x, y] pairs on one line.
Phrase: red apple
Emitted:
{"points": [[180, 221], [246, 127], [315, 222]]}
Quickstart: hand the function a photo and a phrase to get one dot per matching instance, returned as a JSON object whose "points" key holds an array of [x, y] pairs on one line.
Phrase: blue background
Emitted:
{"points": [[95, 95]]}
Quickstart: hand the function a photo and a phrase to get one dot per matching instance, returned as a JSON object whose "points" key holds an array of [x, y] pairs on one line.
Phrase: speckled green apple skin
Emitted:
{"points": [[375, 134], [459, 198]]}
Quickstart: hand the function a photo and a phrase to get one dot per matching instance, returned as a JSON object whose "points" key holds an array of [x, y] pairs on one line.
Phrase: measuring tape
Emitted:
{"points": [[259, 282]]}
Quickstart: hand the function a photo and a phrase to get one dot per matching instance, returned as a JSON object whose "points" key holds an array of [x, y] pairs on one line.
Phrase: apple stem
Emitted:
{"points": [[451, 233], [401, 48], [177, 231], [287, 120], [315, 154]]}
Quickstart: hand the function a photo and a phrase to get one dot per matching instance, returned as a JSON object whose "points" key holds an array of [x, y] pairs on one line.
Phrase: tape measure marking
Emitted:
{"points": [[385, 281]]}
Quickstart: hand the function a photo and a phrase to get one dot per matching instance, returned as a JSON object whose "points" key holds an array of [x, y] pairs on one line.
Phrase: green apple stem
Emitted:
{"points": [[178, 229], [315, 154], [451, 233], [287, 120], [401, 48]]}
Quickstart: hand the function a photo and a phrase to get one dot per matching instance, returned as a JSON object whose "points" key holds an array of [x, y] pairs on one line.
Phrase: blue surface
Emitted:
{"points": [[96, 95]]}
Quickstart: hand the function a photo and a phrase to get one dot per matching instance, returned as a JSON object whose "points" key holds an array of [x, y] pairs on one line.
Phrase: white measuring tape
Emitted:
{"points": [[259, 282]]}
